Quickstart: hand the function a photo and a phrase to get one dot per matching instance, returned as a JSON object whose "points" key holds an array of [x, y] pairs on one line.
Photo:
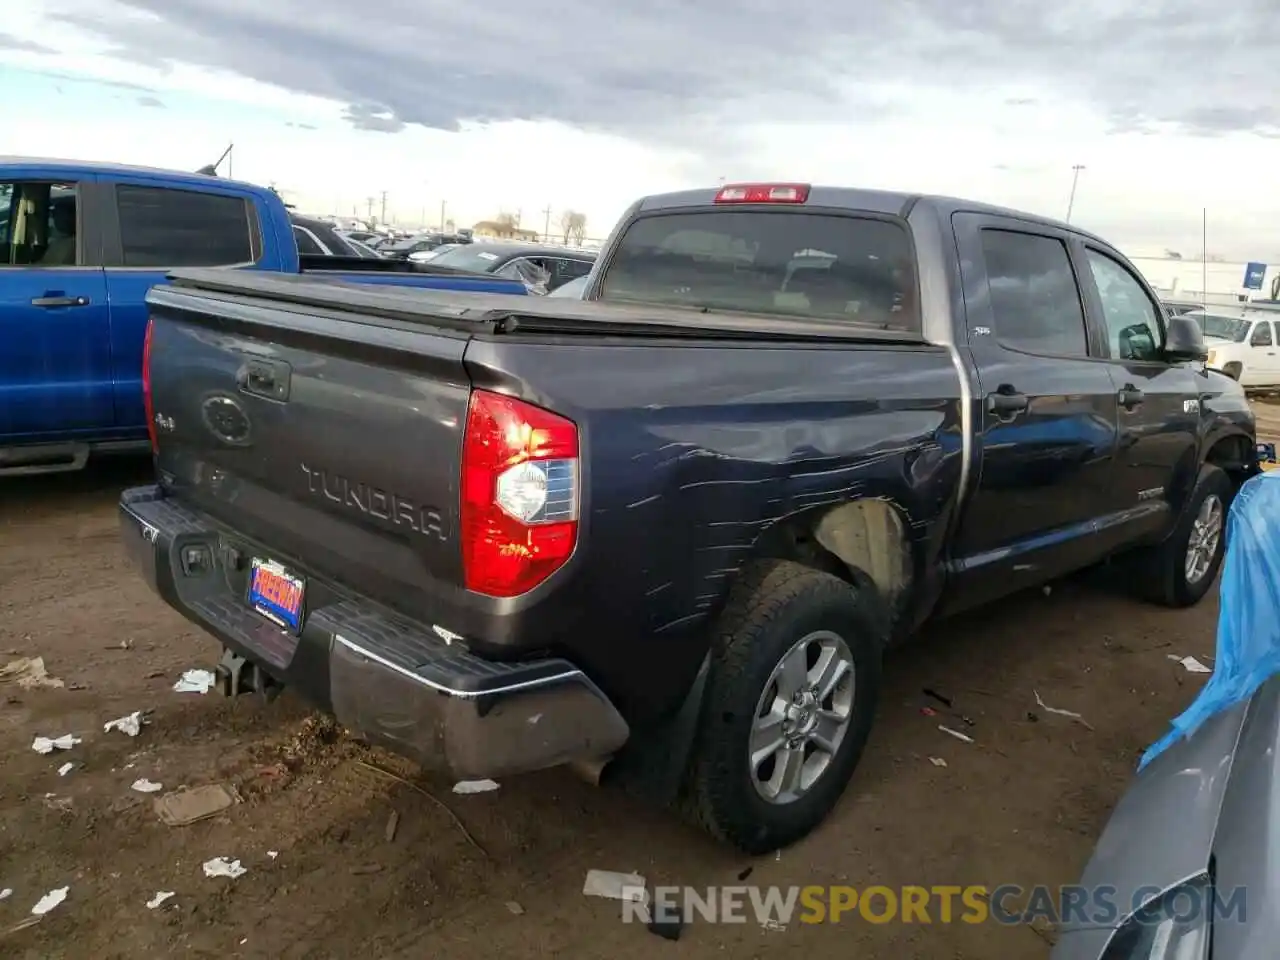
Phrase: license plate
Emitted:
{"points": [[276, 594]]}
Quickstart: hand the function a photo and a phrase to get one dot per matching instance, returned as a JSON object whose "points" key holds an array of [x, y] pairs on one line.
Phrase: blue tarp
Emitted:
{"points": [[1249, 616]]}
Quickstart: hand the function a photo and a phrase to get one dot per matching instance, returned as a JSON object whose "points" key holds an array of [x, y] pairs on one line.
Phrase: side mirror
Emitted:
{"points": [[1184, 340]]}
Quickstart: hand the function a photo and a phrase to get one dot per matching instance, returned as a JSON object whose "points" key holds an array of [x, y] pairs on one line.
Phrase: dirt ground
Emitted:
{"points": [[1022, 804]]}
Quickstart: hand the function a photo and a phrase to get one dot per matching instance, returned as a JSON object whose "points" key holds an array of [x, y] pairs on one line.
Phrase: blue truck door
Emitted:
{"points": [[153, 226], [55, 348], [1047, 414]]}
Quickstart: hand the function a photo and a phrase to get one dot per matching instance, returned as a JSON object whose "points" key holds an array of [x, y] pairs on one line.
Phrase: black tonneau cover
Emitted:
{"points": [[501, 313]]}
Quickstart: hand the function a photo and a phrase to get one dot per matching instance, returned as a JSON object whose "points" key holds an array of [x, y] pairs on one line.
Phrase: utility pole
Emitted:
{"points": [[383, 217], [1075, 179], [443, 204], [369, 201], [546, 227]]}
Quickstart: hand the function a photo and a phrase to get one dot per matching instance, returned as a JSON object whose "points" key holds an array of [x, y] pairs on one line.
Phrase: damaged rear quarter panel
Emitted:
{"points": [[692, 451]]}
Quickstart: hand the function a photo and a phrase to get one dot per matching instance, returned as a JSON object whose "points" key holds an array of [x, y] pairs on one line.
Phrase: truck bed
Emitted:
{"points": [[499, 314]]}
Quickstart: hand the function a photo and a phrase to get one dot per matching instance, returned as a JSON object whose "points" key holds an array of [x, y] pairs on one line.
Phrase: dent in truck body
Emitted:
{"points": [[696, 481]]}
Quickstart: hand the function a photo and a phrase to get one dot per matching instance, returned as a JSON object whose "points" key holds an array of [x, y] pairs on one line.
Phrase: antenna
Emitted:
{"points": [[1204, 258]]}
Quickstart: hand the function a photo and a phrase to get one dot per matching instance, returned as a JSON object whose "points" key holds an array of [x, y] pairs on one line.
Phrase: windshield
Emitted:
{"points": [[787, 263], [467, 257], [1222, 328]]}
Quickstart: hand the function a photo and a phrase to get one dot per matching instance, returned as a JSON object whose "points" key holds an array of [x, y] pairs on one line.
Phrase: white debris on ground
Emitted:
{"points": [[273, 854], [160, 897], [143, 785], [66, 768], [937, 761], [49, 901], [614, 886], [224, 867], [1069, 714], [955, 733], [1190, 664], [50, 744], [29, 673], [130, 726], [474, 786], [6, 893], [195, 681]]}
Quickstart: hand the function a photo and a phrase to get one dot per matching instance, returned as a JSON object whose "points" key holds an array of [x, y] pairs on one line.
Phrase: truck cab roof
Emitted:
{"points": [[888, 202], [102, 167]]}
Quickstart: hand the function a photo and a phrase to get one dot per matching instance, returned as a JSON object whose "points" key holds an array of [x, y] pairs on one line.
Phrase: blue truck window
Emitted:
{"points": [[38, 225], [1034, 297], [164, 227]]}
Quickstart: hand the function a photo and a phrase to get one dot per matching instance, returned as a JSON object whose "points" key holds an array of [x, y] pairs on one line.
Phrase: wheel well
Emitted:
{"points": [[1234, 454], [855, 540]]}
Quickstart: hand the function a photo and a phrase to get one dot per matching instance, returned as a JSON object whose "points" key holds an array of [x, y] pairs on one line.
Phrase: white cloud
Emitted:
{"points": [[889, 113]]}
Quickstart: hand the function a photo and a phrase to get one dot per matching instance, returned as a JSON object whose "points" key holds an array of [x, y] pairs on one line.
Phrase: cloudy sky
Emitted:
{"points": [[502, 105]]}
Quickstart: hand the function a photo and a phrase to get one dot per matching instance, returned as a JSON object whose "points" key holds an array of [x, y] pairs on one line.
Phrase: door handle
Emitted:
{"points": [[1130, 396], [1006, 402], [59, 301]]}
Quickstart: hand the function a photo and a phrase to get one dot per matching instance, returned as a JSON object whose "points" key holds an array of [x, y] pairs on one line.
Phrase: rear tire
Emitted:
{"points": [[795, 667], [1180, 571]]}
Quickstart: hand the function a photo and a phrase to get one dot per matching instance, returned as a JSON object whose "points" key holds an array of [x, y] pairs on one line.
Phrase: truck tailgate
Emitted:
{"points": [[334, 438]]}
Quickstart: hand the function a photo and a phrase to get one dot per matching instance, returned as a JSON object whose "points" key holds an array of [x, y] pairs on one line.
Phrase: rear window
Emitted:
{"points": [[786, 263]]}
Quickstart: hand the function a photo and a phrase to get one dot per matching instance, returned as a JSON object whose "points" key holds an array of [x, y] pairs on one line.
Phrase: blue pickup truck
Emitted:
{"points": [[82, 245]]}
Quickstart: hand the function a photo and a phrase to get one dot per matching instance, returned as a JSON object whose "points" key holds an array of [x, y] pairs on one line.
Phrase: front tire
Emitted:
{"points": [[790, 699], [1180, 571]]}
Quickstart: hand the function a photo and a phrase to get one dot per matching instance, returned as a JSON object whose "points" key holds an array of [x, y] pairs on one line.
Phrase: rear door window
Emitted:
{"points": [[166, 227], [785, 263]]}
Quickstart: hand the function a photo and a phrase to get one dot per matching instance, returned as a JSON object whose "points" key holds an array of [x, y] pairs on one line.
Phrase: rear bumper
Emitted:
{"points": [[391, 681]]}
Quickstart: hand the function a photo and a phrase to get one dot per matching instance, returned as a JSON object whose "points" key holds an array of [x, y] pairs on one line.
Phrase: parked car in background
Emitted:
{"points": [[80, 245], [364, 251], [320, 238], [402, 249], [531, 262], [361, 236], [1243, 342], [422, 256], [668, 531]]}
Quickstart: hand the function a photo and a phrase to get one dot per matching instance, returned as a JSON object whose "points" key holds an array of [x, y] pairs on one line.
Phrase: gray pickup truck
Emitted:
{"points": [[672, 527]]}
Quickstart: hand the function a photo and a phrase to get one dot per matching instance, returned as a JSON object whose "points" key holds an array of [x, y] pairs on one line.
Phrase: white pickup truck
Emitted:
{"points": [[1244, 343]]}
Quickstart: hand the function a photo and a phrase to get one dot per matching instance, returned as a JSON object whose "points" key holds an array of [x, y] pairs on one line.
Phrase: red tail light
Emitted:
{"points": [[763, 193], [519, 494], [146, 388]]}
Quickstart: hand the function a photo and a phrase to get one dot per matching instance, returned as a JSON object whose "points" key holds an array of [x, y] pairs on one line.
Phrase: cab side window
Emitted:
{"points": [[1133, 321], [168, 227], [1262, 336], [1034, 298], [38, 222]]}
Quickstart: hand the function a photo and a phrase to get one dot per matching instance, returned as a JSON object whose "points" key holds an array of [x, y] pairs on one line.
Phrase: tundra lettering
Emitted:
{"points": [[375, 502]]}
